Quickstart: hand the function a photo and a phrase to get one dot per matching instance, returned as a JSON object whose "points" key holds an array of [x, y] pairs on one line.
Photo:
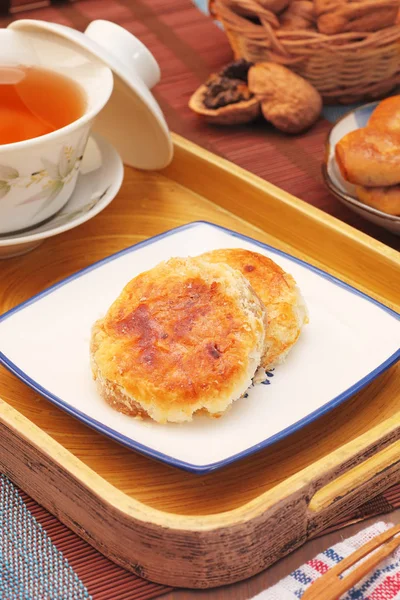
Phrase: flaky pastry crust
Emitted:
{"points": [[369, 157], [183, 337], [286, 310], [385, 199]]}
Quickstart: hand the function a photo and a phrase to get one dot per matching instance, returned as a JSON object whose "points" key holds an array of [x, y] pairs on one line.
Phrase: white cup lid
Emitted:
{"points": [[132, 119]]}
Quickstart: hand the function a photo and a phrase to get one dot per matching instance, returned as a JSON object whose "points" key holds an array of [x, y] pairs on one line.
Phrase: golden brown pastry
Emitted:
{"points": [[182, 337], [288, 101], [300, 14], [386, 199], [386, 115], [339, 16], [255, 8], [369, 157], [286, 309]]}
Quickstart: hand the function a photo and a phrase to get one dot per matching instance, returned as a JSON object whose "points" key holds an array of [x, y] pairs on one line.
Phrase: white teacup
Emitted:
{"points": [[38, 176]]}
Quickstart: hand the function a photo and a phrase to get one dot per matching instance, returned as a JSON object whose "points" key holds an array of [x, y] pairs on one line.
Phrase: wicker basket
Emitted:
{"points": [[346, 67]]}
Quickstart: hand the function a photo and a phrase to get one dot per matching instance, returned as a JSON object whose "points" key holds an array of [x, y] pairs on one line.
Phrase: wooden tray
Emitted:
{"points": [[171, 526]]}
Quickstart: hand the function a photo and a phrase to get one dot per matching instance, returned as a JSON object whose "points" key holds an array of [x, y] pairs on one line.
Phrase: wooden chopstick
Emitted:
{"points": [[331, 587]]}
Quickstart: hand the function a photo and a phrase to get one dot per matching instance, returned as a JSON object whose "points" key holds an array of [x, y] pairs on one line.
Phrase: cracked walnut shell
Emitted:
{"points": [[231, 114], [288, 101], [225, 98]]}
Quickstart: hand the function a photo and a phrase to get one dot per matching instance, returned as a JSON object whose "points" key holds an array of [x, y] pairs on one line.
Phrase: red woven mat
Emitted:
{"points": [[103, 579]]}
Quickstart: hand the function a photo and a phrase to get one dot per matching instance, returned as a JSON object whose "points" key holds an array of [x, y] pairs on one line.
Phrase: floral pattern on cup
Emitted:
{"points": [[53, 177], [67, 217]]}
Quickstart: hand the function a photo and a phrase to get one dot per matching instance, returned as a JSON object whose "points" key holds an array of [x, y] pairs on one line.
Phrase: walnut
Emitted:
{"points": [[225, 98], [288, 101]]}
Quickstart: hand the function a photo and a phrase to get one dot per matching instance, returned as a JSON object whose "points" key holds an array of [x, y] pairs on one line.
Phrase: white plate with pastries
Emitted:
{"points": [[344, 190], [182, 340]]}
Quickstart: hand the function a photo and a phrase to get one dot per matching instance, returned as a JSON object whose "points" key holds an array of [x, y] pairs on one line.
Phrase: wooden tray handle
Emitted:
{"points": [[372, 470]]}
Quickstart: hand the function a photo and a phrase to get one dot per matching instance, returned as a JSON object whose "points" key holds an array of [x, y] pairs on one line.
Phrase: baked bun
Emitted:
{"points": [[386, 116], [286, 309], [265, 8], [386, 199], [340, 16], [369, 157], [185, 336]]}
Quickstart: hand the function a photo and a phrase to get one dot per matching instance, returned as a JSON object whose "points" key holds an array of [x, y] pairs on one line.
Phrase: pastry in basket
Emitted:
{"points": [[386, 116], [369, 157], [286, 309], [340, 16], [288, 101], [183, 337], [386, 199], [267, 9], [300, 15]]}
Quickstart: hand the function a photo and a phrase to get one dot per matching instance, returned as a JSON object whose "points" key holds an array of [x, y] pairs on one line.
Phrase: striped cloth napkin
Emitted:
{"points": [[382, 584]]}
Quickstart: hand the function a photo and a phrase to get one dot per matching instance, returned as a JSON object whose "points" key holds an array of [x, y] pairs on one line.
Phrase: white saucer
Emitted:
{"points": [[99, 181]]}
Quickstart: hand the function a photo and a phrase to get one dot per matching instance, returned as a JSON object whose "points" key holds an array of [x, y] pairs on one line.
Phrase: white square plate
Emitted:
{"points": [[350, 339]]}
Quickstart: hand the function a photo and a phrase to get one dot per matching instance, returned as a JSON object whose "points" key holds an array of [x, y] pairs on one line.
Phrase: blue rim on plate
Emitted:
{"points": [[198, 469]]}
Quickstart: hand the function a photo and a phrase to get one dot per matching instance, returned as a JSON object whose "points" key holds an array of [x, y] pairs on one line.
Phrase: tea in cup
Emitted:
{"points": [[50, 94], [36, 101]]}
